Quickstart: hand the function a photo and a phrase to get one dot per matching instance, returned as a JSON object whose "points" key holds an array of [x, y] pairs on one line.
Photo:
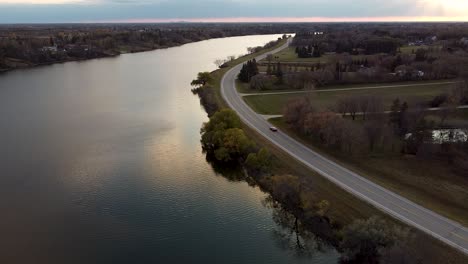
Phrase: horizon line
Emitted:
{"points": [[289, 19], [387, 19]]}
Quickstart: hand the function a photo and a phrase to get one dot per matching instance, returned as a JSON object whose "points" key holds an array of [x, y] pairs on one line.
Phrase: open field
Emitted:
{"points": [[435, 187], [289, 55], [244, 88], [272, 104], [410, 49]]}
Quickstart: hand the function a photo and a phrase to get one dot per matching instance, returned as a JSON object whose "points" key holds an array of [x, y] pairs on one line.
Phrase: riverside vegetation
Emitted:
{"points": [[296, 196]]}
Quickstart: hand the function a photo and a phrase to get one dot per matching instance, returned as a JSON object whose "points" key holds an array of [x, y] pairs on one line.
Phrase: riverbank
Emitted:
{"points": [[344, 208], [61, 55], [29, 65]]}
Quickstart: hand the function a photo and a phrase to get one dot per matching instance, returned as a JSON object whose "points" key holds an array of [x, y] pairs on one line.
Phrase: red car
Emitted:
{"points": [[274, 129]]}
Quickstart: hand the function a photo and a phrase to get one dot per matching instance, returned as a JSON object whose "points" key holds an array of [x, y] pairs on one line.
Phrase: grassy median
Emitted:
{"points": [[273, 104]]}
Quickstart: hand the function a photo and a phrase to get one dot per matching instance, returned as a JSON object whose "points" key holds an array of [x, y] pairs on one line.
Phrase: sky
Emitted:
{"points": [[83, 11]]}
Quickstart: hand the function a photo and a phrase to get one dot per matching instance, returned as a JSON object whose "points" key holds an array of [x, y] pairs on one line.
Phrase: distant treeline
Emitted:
{"points": [[29, 45], [25, 46]]}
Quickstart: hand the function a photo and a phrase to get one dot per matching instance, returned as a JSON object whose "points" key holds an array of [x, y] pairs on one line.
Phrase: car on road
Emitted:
{"points": [[274, 129]]}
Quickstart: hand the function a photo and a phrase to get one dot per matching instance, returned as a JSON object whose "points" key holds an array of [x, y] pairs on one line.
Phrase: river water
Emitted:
{"points": [[101, 162]]}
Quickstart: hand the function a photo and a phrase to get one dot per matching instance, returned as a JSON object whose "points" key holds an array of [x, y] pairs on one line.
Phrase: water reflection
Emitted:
{"points": [[101, 163], [289, 233]]}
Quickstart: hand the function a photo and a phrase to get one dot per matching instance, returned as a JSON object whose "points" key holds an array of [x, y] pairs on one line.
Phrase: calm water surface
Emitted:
{"points": [[101, 162]]}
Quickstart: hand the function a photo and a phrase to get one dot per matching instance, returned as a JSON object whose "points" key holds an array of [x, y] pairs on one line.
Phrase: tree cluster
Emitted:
{"points": [[404, 130], [23, 46], [223, 137], [308, 51], [366, 241], [305, 223], [327, 128], [249, 70]]}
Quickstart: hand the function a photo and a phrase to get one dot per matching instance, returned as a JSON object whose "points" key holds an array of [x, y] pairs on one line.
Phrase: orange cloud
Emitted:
{"points": [[300, 19]]}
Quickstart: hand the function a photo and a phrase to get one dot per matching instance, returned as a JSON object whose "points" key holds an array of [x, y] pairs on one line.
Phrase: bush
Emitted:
{"points": [[259, 162], [365, 240], [223, 137], [438, 100]]}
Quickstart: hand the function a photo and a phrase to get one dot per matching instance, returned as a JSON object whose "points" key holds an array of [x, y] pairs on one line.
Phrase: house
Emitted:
{"points": [[464, 41], [409, 73], [50, 48]]}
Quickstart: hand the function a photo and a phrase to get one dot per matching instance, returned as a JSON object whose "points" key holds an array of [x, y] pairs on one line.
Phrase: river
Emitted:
{"points": [[101, 162]]}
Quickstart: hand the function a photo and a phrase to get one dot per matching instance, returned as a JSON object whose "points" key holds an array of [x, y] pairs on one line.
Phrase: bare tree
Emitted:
{"points": [[341, 107], [333, 133], [219, 62], [370, 104], [269, 58], [261, 82], [374, 132], [448, 108], [364, 103], [308, 80], [349, 105], [353, 138], [314, 123], [376, 105]]}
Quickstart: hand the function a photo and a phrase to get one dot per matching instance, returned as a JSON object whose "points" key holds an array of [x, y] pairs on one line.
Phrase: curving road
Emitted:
{"points": [[401, 208]]}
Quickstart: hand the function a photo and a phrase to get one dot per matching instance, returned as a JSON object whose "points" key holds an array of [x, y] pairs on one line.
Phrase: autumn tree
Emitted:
{"points": [[222, 136], [316, 123], [365, 240], [287, 190], [295, 112]]}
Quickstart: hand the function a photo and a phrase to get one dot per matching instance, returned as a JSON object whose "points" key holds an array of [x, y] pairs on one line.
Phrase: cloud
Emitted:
{"points": [[125, 10], [41, 2]]}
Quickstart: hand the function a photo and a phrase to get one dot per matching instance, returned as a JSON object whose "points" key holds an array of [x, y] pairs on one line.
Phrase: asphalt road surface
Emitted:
{"points": [[401, 208]]}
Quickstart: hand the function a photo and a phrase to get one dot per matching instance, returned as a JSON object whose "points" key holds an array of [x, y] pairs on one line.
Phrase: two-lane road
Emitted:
{"points": [[401, 208]]}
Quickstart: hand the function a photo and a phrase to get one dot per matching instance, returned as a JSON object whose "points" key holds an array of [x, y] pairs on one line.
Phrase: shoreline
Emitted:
{"points": [[118, 53]]}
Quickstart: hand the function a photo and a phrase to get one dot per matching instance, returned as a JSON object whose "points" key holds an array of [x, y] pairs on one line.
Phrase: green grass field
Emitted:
{"points": [[273, 104]]}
